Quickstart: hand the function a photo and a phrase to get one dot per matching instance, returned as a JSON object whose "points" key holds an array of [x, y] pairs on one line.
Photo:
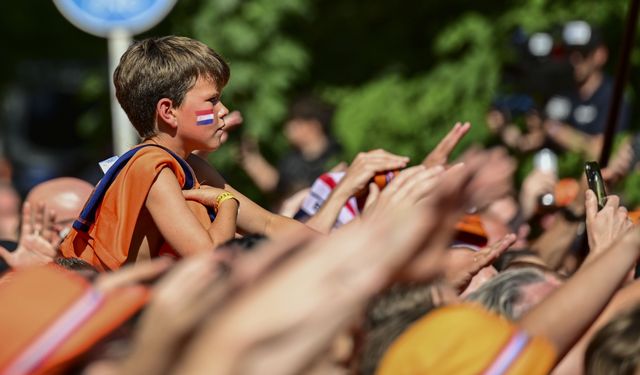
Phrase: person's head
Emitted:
{"points": [[9, 212], [520, 258], [388, 315], [309, 120], [514, 292], [587, 52], [173, 84], [37, 299], [78, 265], [64, 195], [615, 349]]}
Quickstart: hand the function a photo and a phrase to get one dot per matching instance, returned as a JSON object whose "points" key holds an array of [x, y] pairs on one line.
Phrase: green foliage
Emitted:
{"points": [[410, 115], [389, 90], [264, 61]]}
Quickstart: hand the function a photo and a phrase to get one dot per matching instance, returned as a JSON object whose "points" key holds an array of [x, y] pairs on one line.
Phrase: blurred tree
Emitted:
{"points": [[400, 74]]}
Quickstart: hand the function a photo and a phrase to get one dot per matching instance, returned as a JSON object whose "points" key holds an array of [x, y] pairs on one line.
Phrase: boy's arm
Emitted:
{"points": [[251, 218], [362, 170], [177, 223]]}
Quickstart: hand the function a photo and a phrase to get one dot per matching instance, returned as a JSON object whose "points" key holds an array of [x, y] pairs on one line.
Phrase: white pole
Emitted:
{"points": [[124, 135]]}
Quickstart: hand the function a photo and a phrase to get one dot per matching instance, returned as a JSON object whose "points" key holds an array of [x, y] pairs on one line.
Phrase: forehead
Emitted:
{"points": [[204, 86]]}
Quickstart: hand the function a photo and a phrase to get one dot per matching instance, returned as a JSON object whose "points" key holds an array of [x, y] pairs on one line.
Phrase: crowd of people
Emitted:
{"points": [[383, 265]]}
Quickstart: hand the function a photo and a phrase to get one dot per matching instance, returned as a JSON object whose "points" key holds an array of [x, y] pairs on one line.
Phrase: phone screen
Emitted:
{"points": [[595, 181]]}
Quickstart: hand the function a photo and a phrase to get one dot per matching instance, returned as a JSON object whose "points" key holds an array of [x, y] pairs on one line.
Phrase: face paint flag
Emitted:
{"points": [[204, 117]]}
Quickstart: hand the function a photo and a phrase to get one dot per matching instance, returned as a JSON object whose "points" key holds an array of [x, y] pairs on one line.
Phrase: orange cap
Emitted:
{"points": [[466, 339], [470, 231], [50, 316]]}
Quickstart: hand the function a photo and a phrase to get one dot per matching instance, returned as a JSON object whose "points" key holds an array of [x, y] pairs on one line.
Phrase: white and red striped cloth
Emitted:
{"points": [[320, 192]]}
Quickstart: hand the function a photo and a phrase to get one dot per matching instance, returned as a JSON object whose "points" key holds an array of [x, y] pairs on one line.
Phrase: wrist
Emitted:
{"points": [[342, 192], [225, 197]]}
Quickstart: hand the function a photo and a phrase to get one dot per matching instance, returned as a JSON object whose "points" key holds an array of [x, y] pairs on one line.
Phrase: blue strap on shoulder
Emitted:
{"points": [[88, 214]]}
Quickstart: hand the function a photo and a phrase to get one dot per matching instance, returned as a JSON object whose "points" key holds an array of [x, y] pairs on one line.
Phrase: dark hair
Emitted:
{"points": [[166, 67], [78, 265], [245, 243], [387, 317], [311, 108], [615, 349]]}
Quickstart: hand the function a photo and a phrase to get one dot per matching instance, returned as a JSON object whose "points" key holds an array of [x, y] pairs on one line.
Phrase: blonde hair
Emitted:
{"points": [[166, 67]]}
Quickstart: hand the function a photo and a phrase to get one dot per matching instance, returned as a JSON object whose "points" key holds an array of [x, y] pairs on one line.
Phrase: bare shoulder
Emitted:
{"points": [[164, 188]]}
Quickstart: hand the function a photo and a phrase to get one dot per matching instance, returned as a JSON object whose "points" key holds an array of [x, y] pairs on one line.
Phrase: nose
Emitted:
{"points": [[223, 110]]}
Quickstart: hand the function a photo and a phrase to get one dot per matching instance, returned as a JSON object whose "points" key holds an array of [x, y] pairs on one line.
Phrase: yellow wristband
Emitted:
{"points": [[224, 197]]}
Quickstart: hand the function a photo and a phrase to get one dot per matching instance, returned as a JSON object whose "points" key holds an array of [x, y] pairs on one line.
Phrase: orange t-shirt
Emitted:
{"points": [[106, 243]]}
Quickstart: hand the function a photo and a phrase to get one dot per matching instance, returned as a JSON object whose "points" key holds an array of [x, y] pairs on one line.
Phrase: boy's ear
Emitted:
{"points": [[166, 112]]}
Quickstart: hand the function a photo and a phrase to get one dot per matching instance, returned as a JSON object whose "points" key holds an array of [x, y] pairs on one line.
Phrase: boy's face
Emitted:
{"points": [[199, 118]]}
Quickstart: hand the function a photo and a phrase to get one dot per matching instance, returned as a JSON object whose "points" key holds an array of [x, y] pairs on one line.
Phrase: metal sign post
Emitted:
{"points": [[118, 21], [123, 133]]}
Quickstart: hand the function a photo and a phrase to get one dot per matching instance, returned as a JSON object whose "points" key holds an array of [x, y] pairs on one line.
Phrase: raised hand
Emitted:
{"points": [[606, 226], [536, 184], [232, 120], [365, 165], [408, 188], [462, 266], [179, 301], [491, 177], [440, 154], [38, 238], [329, 280], [354, 183]]}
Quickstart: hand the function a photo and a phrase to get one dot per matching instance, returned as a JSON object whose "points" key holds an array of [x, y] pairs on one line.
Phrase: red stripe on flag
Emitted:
{"points": [[328, 180], [349, 207], [204, 112]]}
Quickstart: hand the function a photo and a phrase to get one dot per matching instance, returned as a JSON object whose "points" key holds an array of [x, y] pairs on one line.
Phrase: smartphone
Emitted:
{"points": [[595, 181]]}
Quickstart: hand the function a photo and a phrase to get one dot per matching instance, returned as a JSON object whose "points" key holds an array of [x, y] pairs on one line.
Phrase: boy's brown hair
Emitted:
{"points": [[166, 67]]}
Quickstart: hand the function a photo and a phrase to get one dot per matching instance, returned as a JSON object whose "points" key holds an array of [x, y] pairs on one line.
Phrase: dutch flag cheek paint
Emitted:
{"points": [[204, 117]]}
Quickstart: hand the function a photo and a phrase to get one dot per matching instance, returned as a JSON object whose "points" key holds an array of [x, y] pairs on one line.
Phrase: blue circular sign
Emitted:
{"points": [[101, 17]]}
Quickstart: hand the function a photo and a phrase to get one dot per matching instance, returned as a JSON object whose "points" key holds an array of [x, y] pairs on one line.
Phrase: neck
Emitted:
{"points": [[589, 86], [314, 149], [162, 139]]}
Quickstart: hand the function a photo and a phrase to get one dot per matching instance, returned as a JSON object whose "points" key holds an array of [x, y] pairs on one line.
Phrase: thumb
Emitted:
{"points": [[7, 256], [591, 206]]}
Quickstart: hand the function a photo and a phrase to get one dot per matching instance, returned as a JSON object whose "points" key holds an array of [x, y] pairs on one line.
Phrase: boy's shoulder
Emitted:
{"points": [[146, 160]]}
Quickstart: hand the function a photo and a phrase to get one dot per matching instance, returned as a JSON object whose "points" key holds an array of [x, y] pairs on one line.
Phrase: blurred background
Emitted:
{"points": [[398, 74]]}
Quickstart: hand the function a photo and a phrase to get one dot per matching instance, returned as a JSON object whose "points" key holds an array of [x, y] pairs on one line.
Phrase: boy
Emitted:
{"points": [[170, 88]]}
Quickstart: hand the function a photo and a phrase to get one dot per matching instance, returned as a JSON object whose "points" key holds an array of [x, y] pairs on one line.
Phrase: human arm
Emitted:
{"points": [[251, 218], [537, 183], [574, 140], [179, 301], [625, 298], [591, 288], [328, 281], [263, 174], [177, 223], [363, 168]]}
